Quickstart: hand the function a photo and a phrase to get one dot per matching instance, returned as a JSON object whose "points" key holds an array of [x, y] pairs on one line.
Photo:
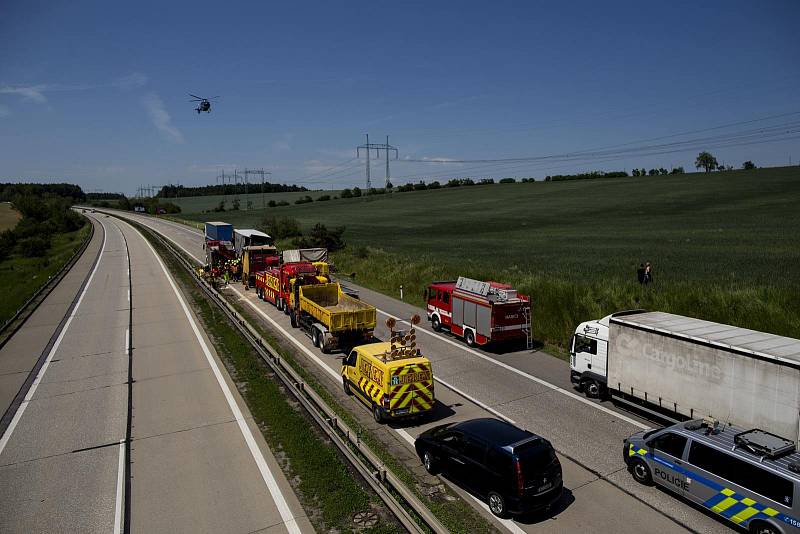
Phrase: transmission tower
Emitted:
{"points": [[258, 172], [377, 147]]}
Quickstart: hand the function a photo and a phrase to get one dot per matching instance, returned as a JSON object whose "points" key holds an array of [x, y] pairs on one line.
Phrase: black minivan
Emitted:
{"points": [[514, 470]]}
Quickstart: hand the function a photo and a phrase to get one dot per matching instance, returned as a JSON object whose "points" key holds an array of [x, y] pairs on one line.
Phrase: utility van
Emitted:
{"points": [[748, 477], [395, 381]]}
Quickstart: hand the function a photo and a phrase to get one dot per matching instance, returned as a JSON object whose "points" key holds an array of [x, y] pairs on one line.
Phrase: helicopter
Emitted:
{"points": [[204, 103]]}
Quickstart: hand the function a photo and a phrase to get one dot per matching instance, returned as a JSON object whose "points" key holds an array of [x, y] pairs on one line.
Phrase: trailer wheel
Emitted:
{"points": [[640, 471], [293, 319], [435, 324], [469, 337]]}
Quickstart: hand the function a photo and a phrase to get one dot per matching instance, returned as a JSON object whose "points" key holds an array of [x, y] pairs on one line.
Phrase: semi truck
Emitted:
{"points": [[680, 368], [330, 317], [219, 231], [480, 312], [249, 237]]}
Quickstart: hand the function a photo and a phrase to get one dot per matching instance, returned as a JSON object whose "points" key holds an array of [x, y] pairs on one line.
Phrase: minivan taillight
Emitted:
{"points": [[520, 478]]}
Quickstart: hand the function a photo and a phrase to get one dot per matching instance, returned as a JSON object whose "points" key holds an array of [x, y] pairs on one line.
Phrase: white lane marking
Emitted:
{"points": [[277, 496], [509, 524], [476, 401], [129, 294], [24, 404], [523, 374], [127, 340], [120, 488]]}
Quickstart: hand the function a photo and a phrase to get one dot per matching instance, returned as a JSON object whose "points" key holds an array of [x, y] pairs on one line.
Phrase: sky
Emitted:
{"points": [[96, 92]]}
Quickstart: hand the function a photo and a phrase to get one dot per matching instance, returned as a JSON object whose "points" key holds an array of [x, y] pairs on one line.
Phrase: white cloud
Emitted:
{"points": [[161, 118], [131, 81], [33, 93]]}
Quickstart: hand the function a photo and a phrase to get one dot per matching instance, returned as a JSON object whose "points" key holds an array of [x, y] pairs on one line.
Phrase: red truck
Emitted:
{"points": [[480, 312], [277, 284]]}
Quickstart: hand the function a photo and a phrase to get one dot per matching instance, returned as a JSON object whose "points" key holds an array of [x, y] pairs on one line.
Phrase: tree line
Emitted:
{"points": [[179, 191], [9, 191]]}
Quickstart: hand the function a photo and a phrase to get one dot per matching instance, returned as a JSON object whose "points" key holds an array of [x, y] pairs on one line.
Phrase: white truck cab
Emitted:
{"points": [[588, 350]]}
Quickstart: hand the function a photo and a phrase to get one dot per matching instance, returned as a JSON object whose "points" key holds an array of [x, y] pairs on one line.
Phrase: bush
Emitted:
{"points": [[347, 193], [356, 191], [405, 188], [420, 186], [508, 180], [283, 203], [280, 227], [320, 236], [272, 203], [434, 185], [748, 165], [34, 247], [219, 207], [323, 198], [304, 200]]}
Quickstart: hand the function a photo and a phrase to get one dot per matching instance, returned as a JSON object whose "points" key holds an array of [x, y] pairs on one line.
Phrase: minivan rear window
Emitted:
{"points": [[743, 473], [535, 458]]}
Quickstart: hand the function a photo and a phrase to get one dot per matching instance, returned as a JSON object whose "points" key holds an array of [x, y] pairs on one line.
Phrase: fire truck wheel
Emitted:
{"points": [[469, 337], [435, 324], [293, 319], [279, 304]]}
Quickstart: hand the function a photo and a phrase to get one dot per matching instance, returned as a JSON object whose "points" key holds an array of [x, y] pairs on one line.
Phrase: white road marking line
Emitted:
{"points": [[24, 404], [127, 340], [129, 294], [523, 374], [272, 485], [120, 488]]}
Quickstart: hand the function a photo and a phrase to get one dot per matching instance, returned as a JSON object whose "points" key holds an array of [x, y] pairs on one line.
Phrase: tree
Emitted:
{"points": [[706, 161], [356, 191], [748, 165], [389, 186], [346, 193]]}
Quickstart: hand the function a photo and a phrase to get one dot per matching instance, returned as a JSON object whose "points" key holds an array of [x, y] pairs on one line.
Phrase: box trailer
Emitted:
{"points": [[684, 368], [248, 237], [219, 231]]}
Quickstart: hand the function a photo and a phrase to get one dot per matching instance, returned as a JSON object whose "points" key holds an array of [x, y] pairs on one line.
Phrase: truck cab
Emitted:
{"points": [[588, 357]]}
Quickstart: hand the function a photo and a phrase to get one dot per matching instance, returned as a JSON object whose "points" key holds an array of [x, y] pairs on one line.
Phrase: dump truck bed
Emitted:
{"points": [[338, 311]]}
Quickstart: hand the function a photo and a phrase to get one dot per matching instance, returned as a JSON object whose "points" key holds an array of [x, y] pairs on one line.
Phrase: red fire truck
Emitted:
{"points": [[480, 312], [277, 284]]}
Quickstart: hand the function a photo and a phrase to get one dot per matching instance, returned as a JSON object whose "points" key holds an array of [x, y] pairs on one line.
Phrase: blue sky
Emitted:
{"points": [[96, 92]]}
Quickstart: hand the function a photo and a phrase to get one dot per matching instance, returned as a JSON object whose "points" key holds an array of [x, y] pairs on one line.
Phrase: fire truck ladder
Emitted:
{"points": [[526, 314]]}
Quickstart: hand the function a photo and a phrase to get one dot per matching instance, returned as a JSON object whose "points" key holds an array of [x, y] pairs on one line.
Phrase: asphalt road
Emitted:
{"points": [[529, 388], [198, 463]]}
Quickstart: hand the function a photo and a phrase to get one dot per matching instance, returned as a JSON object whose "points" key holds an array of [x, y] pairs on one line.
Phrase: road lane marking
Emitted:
{"points": [[24, 404], [272, 485], [120, 488]]}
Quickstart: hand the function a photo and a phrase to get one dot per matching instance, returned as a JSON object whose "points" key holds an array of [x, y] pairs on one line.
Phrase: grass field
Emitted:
{"points": [[21, 277], [9, 217], [200, 204], [725, 246]]}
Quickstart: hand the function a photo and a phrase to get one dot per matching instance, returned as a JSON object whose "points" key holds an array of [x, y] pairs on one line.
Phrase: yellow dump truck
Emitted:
{"points": [[332, 318], [392, 378]]}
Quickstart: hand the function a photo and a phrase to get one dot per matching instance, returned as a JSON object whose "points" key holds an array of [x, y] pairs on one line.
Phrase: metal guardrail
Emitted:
{"points": [[385, 483], [41, 293]]}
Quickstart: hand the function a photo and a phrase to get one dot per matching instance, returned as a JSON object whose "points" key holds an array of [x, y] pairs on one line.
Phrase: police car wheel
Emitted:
{"points": [[497, 504], [640, 471], [763, 528], [429, 462], [435, 324]]}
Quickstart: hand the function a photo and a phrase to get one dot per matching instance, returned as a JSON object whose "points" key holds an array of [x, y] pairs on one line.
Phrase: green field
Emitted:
{"points": [[9, 217], [200, 204], [725, 246]]}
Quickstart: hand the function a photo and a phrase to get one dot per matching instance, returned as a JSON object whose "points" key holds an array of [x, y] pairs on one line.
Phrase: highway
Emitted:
{"points": [[131, 423], [530, 389]]}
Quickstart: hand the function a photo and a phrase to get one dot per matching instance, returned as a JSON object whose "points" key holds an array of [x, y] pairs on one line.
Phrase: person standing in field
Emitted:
{"points": [[640, 273], [648, 273]]}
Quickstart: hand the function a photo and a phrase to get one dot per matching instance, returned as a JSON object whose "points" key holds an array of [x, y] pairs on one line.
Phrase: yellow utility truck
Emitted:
{"points": [[332, 318], [393, 379]]}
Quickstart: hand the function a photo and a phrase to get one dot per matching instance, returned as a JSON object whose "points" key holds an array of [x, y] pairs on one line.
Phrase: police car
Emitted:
{"points": [[749, 477]]}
